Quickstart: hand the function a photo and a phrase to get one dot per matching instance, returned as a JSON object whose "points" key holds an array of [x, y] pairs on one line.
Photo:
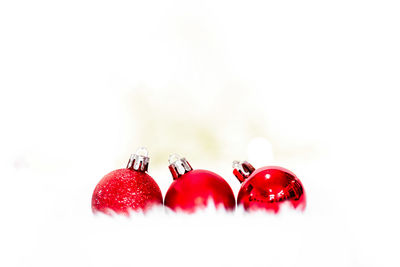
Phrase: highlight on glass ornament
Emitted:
{"points": [[268, 188], [194, 189], [129, 189]]}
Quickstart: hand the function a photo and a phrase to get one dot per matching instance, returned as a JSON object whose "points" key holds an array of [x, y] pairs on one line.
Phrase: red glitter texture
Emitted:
{"points": [[124, 190], [268, 188], [194, 189]]}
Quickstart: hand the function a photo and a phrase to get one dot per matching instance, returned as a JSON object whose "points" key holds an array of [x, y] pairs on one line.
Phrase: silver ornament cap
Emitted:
{"points": [[139, 161], [178, 166], [242, 170]]}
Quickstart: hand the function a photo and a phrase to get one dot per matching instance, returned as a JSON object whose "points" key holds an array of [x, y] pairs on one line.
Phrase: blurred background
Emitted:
{"points": [[308, 85]]}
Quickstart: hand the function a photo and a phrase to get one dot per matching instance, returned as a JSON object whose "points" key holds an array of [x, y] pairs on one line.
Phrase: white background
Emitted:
{"points": [[308, 85]]}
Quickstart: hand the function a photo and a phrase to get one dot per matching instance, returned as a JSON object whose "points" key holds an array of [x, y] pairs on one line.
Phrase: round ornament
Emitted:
{"points": [[194, 189], [268, 188], [129, 189]]}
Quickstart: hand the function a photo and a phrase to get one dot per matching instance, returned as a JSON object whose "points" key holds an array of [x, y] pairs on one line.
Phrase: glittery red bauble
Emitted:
{"points": [[269, 187], [195, 188], [124, 190]]}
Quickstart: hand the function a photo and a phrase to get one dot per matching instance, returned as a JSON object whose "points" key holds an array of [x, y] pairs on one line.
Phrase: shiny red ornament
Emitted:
{"points": [[268, 188], [129, 189], [192, 189]]}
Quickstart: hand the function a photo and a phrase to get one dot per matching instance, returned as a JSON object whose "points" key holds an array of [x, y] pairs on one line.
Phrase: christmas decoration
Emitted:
{"points": [[127, 189], [268, 188], [192, 189]]}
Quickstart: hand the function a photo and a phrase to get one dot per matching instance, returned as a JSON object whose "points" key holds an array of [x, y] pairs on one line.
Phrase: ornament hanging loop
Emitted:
{"points": [[242, 170], [139, 161]]}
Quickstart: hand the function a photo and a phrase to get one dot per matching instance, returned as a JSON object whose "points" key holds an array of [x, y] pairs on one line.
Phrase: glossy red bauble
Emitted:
{"points": [[193, 189], [125, 190], [269, 188]]}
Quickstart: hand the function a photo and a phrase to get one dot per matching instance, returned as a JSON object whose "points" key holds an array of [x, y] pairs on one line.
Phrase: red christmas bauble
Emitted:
{"points": [[125, 190], [193, 189], [269, 188]]}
